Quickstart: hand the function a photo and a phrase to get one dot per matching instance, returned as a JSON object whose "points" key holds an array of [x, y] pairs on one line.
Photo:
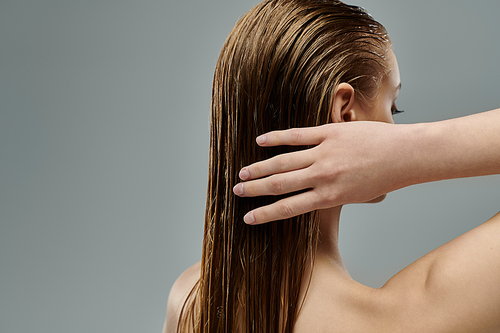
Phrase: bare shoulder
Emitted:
{"points": [[454, 288], [178, 294]]}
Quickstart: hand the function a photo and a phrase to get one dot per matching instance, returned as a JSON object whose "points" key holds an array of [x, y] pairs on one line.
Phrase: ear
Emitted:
{"points": [[343, 104]]}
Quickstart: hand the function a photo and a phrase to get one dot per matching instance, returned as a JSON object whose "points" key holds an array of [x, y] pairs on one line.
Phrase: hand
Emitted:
{"points": [[350, 163]]}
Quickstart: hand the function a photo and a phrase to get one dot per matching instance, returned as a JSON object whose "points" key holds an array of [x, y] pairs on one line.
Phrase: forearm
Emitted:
{"points": [[359, 161], [456, 148]]}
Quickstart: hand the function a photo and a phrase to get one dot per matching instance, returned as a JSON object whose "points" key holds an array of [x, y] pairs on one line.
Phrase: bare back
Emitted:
{"points": [[455, 288]]}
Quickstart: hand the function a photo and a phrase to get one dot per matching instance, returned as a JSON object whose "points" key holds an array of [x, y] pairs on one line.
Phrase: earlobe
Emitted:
{"points": [[343, 103]]}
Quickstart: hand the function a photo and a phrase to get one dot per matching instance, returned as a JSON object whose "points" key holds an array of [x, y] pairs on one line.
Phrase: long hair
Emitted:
{"points": [[278, 69]]}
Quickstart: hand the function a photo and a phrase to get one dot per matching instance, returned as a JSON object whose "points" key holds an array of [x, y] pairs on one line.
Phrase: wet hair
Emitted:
{"points": [[278, 69]]}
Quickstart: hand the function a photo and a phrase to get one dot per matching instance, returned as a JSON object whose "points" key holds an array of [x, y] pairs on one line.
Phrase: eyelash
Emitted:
{"points": [[396, 111]]}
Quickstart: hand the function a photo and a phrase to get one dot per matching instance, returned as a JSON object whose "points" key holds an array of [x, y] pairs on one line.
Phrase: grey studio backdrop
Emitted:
{"points": [[104, 149]]}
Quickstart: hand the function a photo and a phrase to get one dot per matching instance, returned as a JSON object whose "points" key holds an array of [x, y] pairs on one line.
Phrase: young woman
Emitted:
{"points": [[302, 63]]}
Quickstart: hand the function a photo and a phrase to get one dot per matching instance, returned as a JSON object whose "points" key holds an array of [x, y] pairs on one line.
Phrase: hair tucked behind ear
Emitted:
{"points": [[278, 69]]}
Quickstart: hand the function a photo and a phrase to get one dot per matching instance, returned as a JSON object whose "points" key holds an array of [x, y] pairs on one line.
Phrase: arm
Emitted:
{"points": [[359, 161], [453, 288]]}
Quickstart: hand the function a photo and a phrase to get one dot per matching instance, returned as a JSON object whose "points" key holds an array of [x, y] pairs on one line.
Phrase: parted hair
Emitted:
{"points": [[278, 69]]}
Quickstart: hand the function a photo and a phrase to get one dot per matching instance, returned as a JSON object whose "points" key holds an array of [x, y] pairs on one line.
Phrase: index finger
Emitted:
{"points": [[293, 137]]}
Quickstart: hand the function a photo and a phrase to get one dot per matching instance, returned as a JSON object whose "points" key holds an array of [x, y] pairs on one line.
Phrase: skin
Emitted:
{"points": [[451, 289], [351, 162], [346, 109]]}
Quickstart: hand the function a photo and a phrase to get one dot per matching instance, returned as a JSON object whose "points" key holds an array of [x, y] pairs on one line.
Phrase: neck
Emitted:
{"points": [[328, 247], [328, 265]]}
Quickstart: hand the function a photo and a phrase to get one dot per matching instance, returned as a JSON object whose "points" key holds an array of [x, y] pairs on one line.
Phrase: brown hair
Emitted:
{"points": [[277, 70]]}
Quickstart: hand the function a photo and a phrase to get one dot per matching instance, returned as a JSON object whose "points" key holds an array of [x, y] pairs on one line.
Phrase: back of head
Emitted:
{"points": [[277, 70]]}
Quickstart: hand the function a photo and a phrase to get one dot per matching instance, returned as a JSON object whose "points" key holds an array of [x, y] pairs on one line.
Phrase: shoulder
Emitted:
{"points": [[453, 288], [178, 295]]}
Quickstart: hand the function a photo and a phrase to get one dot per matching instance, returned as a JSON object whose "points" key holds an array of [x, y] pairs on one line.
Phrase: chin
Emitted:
{"points": [[377, 199]]}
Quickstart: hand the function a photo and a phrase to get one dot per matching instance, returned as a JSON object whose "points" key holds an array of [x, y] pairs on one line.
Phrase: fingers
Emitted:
{"points": [[278, 164], [283, 209], [292, 137], [276, 184]]}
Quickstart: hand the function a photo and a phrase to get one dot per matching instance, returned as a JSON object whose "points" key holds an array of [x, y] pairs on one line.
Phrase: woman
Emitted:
{"points": [[289, 64]]}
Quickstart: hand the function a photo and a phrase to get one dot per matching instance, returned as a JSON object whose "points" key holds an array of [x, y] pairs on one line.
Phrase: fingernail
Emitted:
{"points": [[244, 174], [261, 139], [249, 218], [238, 189]]}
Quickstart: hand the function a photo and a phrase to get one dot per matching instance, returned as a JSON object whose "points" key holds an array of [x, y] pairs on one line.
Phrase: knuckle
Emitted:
{"points": [[276, 186], [325, 173], [322, 201], [329, 174], [295, 134], [285, 210], [258, 169], [327, 199], [282, 164]]}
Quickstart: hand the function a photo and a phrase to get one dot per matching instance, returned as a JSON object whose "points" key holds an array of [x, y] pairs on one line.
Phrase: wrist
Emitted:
{"points": [[431, 152], [413, 153]]}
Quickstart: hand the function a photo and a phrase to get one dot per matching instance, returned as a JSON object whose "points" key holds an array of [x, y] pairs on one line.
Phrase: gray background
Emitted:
{"points": [[104, 143]]}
